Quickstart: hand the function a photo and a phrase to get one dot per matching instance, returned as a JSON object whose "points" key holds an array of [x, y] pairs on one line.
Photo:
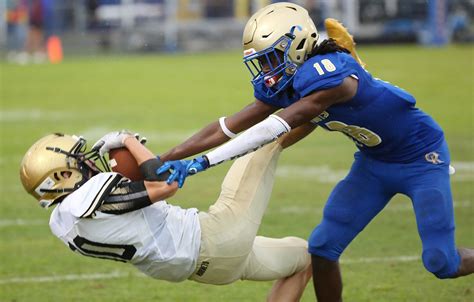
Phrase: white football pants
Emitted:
{"points": [[230, 248]]}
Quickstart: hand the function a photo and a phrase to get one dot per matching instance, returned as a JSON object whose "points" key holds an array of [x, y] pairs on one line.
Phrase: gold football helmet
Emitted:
{"points": [[56, 165], [276, 40]]}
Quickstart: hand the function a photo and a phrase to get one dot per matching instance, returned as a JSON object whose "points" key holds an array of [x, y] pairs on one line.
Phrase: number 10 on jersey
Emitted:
{"points": [[327, 66]]}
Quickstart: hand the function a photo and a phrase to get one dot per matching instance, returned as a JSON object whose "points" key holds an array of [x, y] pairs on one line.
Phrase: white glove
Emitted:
{"points": [[111, 140]]}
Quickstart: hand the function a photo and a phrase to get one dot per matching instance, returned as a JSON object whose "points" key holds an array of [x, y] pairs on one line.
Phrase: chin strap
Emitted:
{"points": [[64, 190]]}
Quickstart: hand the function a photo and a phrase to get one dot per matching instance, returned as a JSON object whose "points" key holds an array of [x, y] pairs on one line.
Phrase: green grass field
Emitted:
{"points": [[166, 98]]}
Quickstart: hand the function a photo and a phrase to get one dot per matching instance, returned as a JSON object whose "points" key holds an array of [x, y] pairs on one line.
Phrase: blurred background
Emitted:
{"points": [[33, 30], [166, 68]]}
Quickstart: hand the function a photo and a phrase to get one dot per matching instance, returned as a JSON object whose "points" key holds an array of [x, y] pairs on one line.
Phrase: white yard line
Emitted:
{"points": [[118, 274], [155, 137], [325, 174], [34, 115], [22, 222], [321, 174], [462, 204], [396, 259], [71, 277], [405, 207]]}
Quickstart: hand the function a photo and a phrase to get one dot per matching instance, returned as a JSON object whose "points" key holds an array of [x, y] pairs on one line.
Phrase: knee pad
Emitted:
{"points": [[322, 243], [431, 209], [338, 214], [438, 263]]}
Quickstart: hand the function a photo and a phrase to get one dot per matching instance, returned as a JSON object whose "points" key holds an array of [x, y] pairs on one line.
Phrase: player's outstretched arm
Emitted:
{"points": [[270, 129], [295, 135], [221, 131], [343, 38]]}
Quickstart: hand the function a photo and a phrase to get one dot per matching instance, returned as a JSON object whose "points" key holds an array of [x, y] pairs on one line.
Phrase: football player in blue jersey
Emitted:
{"points": [[318, 83]]}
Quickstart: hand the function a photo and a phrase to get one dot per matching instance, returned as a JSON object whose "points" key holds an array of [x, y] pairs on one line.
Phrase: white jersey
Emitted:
{"points": [[161, 240]]}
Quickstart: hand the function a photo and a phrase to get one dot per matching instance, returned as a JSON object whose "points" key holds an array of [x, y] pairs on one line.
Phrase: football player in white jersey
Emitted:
{"points": [[105, 215]]}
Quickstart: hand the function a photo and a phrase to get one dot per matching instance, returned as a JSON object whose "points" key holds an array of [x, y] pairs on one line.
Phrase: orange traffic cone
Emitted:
{"points": [[55, 49]]}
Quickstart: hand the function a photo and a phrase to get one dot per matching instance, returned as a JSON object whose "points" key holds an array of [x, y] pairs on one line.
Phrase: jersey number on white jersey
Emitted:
{"points": [[117, 252]]}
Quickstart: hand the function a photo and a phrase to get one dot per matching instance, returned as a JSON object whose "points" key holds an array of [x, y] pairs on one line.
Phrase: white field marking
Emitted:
{"points": [[463, 165], [93, 134], [390, 208], [464, 171], [35, 115], [22, 222], [321, 174], [396, 259], [72, 277], [118, 274], [287, 210], [154, 137], [325, 174], [158, 137]]}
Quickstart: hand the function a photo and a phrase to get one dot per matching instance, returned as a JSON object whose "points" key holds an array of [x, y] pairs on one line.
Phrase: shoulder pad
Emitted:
{"points": [[85, 200]]}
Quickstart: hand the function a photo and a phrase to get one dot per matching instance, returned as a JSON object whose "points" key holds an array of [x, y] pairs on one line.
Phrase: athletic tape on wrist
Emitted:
{"points": [[253, 138]]}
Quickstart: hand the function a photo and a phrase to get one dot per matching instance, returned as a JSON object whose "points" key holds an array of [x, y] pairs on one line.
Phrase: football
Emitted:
{"points": [[123, 162]]}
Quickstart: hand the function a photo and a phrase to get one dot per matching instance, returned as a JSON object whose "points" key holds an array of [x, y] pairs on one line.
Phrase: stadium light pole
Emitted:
{"points": [[437, 17], [128, 19], [435, 29], [3, 24], [171, 25], [351, 12]]}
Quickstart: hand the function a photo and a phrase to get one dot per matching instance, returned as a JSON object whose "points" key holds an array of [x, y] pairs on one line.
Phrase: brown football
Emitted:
{"points": [[123, 162]]}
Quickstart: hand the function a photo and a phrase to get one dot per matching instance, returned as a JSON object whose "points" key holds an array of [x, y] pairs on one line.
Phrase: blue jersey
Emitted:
{"points": [[381, 118]]}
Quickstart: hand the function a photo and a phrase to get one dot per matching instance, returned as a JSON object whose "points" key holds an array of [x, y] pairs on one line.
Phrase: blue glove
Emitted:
{"points": [[182, 169], [198, 165], [178, 169]]}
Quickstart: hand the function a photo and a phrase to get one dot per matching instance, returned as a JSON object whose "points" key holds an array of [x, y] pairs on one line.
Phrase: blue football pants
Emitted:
{"points": [[368, 187]]}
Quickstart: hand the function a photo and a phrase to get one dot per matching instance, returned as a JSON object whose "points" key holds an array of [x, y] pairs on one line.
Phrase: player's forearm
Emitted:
{"points": [[158, 191], [295, 135], [139, 151], [208, 138], [252, 139]]}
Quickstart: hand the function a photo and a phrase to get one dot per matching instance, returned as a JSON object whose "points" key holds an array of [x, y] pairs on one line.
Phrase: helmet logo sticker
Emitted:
{"points": [[47, 184], [249, 52]]}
